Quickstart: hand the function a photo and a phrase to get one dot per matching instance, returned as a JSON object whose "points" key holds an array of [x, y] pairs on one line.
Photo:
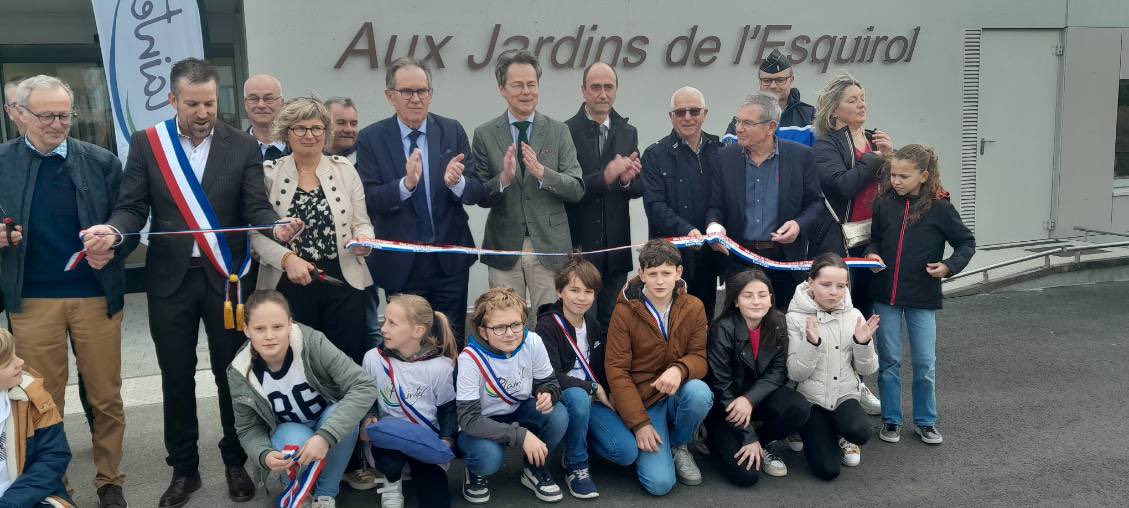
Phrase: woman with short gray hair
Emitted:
{"points": [[322, 279]]}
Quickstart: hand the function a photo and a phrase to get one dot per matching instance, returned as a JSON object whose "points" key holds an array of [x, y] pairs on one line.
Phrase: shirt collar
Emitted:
{"points": [[607, 123], [60, 150], [405, 130], [510, 116], [277, 144], [775, 150]]}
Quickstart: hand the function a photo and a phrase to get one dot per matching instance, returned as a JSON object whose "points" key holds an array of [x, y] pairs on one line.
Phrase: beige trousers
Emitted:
{"points": [[527, 276]]}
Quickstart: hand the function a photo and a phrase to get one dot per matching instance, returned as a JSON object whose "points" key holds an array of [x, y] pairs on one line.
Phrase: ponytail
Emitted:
{"points": [[444, 336]]}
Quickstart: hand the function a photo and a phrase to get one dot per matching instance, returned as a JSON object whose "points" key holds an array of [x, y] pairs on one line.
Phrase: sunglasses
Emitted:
{"points": [[693, 112]]}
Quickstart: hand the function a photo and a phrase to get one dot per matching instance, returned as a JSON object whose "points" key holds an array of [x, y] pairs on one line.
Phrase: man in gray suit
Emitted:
{"points": [[527, 163]]}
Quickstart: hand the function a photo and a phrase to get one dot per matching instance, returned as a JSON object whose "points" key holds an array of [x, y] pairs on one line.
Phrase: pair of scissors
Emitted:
{"points": [[10, 224]]}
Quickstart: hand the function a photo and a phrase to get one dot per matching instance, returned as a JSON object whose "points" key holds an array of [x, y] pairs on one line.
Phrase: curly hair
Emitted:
{"points": [[924, 158], [499, 298]]}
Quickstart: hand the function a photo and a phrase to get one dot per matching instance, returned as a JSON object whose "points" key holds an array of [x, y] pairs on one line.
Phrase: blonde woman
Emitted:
{"points": [[322, 279]]}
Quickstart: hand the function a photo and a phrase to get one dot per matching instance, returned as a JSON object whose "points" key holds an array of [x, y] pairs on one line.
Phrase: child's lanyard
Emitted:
{"points": [[575, 348], [492, 381], [658, 318], [409, 410]]}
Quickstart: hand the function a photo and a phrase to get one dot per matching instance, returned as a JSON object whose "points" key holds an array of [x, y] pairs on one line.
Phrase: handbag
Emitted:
{"points": [[857, 232]]}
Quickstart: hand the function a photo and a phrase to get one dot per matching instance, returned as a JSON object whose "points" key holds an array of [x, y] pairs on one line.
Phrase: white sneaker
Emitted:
{"points": [[324, 502], [772, 464], [871, 405], [795, 442], [392, 494], [684, 466], [852, 455]]}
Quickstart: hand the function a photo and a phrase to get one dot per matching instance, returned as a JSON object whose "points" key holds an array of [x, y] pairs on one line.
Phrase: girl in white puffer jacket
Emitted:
{"points": [[829, 346]]}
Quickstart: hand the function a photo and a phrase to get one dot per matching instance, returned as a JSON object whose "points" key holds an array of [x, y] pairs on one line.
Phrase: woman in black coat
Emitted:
{"points": [[747, 354]]}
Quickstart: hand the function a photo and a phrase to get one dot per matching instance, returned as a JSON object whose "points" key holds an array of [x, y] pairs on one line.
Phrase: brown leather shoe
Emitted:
{"points": [[240, 488], [180, 489]]}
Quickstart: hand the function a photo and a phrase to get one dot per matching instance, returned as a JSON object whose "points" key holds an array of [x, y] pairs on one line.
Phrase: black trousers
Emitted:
{"points": [[783, 282], [174, 322], [430, 480], [445, 293], [860, 283], [708, 265], [781, 413], [336, 310], [821, 436], [610, 288]]}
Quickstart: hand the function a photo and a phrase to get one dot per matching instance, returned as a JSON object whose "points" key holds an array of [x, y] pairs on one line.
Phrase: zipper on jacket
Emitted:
{"points": [[898, 258]]}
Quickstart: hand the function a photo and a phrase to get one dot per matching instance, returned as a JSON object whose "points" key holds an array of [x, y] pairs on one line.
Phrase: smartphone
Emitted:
{"points": [[869, 133]]}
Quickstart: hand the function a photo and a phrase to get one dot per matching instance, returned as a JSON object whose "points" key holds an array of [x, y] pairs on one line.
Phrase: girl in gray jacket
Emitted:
{"points": [[291, 387], [829, 346]]}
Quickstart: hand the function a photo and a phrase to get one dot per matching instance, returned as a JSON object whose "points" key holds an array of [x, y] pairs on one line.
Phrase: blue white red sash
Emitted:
{"points": [[492, 382], [301, 486], [75, 259], [410, 411], [197, 212], [580, 356], [658, 318]]}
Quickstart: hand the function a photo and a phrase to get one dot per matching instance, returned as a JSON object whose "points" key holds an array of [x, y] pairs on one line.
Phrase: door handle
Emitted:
{"points": [[984, 141]]}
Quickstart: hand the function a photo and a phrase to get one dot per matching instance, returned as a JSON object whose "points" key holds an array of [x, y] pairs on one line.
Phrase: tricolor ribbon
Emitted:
{"points": [[301, 486], [681, 242], [409, 410], [658, 318], [488, 376], [588, 372]]}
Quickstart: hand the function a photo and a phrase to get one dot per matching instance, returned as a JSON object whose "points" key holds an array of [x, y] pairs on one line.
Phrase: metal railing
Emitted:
{"points": [[1077, 250], [1086, 233]]}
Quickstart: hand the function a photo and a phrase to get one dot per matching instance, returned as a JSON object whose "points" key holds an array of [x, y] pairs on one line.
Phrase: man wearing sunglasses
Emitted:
{"points": [[777, 77], [54, 186], [677, 171]]}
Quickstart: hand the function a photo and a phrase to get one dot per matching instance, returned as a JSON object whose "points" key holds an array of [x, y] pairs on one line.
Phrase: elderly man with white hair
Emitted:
{"points": [[677, 171], [54, 187], [262, 100]]}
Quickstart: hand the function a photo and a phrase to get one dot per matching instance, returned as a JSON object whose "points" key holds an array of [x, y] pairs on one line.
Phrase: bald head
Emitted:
{"points": [[599, 88], [262, 99]]}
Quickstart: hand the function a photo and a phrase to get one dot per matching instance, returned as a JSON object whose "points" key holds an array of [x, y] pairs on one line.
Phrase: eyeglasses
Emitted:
{"points": [[693, 112], [255, 99], [500, 330], [301, 130], [777, 81], [408, 93], [748, 123], [49, 118]]}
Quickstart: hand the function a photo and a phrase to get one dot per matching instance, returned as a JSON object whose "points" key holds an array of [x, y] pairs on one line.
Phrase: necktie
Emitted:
{"points": [[601, 138], [272, 153], [522, 137], [419, 197]]}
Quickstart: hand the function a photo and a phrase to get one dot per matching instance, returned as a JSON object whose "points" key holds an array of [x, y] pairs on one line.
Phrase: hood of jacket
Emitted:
{"points": [[804, 303]]}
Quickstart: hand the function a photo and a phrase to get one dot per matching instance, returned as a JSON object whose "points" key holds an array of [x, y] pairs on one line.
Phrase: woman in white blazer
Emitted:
{"points": [[324, 281], [829, 346]]}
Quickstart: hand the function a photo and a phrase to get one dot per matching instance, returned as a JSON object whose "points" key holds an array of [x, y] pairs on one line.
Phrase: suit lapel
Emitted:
{"points": [[781, 189], [395, 145], [216, 157], [738, 185], [505, 139], [434, 153]]}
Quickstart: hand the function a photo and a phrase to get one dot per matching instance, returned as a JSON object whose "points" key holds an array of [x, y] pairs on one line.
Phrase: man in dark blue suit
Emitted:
{"points": [[765, 193], [418, 172]]}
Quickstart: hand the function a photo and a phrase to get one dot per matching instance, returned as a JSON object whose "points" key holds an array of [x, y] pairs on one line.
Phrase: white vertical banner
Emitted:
{"points": [[141, 40]]}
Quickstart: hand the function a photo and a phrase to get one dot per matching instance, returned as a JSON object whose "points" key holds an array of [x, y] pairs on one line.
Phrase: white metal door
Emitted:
{"points": [[1019, 86]]}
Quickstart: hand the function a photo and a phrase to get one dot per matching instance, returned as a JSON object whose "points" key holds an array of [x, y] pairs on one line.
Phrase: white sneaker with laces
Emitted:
{"points": [[772, 464], [852, 455], [795, 443], [392, 494], [324, 502], [685, 468], [871, 405]]}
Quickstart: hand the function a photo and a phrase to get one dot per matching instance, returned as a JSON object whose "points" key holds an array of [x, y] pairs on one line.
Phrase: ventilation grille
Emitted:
{"points": [[969, 126]]}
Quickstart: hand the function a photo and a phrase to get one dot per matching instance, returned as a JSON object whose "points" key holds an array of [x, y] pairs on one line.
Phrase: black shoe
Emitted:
{"points": [[110, 496], [240, 488], [180, 488]]}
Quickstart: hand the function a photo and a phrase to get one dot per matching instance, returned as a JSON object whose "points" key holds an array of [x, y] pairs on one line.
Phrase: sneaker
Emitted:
{"points": [[928, 434], [851, 453], [772, 464], [870, 404], [541, 483], [392, 494], [795, 443], [685, 468], [889, 433], [476, 489], [324, 502], [580, 483], [361, 479]]}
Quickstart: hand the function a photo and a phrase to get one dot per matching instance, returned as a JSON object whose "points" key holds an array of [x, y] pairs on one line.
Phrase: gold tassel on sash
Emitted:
{"points": [[228, 315], [228, 319]]}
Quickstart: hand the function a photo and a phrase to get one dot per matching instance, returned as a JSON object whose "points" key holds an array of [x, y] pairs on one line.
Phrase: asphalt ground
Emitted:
{"points": [[1032, 392]]}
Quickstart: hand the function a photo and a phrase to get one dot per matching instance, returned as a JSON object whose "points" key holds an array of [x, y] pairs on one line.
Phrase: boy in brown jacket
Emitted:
{"points": [[656, 358]]}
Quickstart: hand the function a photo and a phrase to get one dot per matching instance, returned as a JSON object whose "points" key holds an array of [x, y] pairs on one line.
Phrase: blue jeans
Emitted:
{"points": [[675, 418], [591, 424], [372, 318], [922, 327], [484, 457], [329, 483]]}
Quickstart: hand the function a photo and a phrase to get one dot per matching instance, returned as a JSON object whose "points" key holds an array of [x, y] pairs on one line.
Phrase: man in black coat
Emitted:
{"points": [[607, 148], [765, 194], [182, 281]]}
